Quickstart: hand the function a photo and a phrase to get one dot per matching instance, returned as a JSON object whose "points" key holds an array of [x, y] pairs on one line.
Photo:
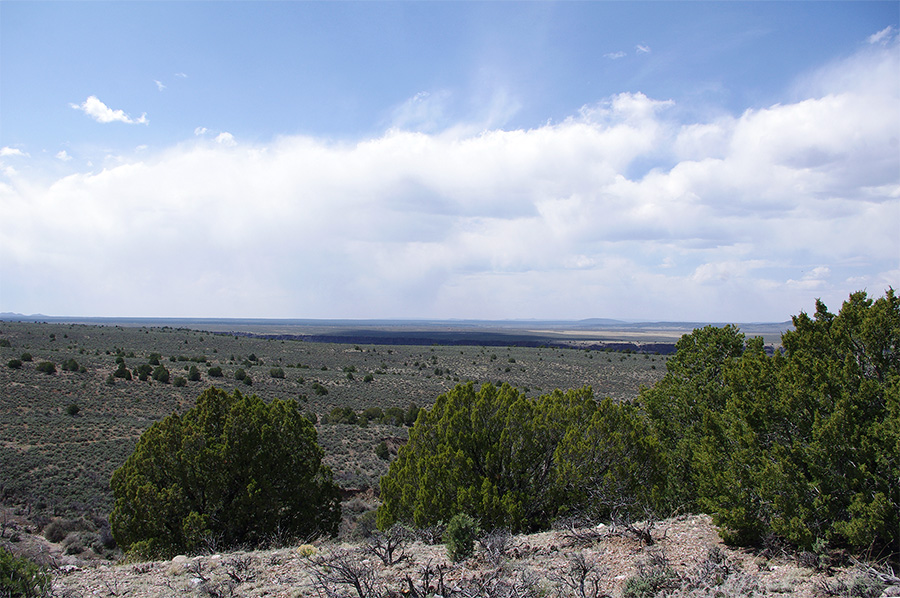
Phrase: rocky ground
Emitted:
{"points": [[686, 558]]}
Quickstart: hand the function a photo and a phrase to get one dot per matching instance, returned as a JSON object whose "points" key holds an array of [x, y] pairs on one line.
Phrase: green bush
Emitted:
{"points": [[382, 451], [14, 363], [240, 374], [144, 371], [179, 381], [161, 374], [276, 373], [460, 536], [22, 577], [122, 372], [26, 356], [70, 365], [73, 409], [801, 445], [214, 372], [46, 367], [4, 342], [233, 469], [519, 463], [194, 374]]}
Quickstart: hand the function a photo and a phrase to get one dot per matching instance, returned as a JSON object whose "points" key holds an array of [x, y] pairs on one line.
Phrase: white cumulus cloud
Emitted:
{"points": [[743, 217], [102, 113], [226, 139]]}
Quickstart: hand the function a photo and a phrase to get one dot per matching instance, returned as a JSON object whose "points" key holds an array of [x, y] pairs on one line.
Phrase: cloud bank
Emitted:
{"points": [[618, 211]]}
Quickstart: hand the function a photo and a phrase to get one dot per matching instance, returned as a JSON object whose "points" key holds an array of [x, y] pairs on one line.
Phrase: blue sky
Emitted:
{"points": [[720, 161]]}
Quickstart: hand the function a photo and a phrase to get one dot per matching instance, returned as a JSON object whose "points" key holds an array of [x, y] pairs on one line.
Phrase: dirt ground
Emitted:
{"points": [[686, 558]]}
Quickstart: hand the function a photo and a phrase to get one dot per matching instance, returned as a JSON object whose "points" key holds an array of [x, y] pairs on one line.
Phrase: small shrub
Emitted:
{"points": [[4, 342], [14, 363], [652, 577], [276, 373], [179, 381], [381, 450], [21, 577], [247, 380], [143, 372], [47, 367], [161, 374], [26, 356], [240, 374], [70, 365], [462, 531], [122, 372], [194, 374], [73, 409], [214, 372]]}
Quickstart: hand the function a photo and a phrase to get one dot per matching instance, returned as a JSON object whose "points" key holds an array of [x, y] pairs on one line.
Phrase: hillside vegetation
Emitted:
{"points": [[803, 446], [63, 434], [798, 449]]}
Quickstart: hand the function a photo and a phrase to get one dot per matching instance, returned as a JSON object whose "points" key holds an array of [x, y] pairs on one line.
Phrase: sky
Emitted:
{"points": [[682, 161]]}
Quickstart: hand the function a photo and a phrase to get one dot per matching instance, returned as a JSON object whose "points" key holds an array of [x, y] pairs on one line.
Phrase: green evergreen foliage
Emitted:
{"points": [[460, 536], [686, 405], [214, 372], [508, 460], [813, 435], [122, 372], [233, 470], [22, 577], [194, 374], [143, 372], [803, 444], [46, 367], [14, 364], [276, 373], [610, 464], [161, 374], [381, 449]]}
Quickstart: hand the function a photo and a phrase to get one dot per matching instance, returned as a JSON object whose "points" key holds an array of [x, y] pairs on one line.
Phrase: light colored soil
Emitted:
{"points": [[541, 561]]}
